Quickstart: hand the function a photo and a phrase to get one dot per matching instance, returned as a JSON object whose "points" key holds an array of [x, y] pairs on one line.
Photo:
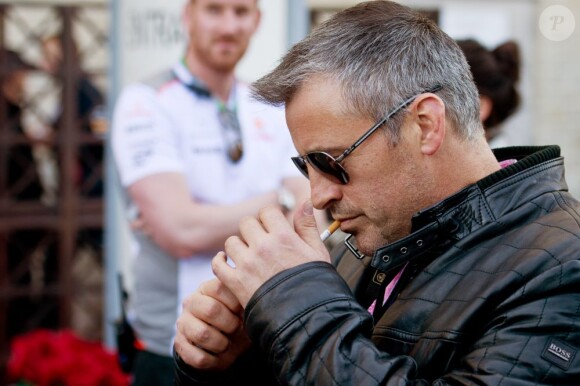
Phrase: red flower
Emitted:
{"points": [[51, 358]]}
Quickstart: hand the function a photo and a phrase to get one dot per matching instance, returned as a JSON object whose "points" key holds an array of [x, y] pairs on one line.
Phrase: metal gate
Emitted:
{"points": [[51, 171]]}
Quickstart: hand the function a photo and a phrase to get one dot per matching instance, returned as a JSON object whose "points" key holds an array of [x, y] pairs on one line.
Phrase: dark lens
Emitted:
{"points": [[301, 165], [327, 165]]}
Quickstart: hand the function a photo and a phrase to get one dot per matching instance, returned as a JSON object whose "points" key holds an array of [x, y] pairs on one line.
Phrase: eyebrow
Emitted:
{"points": [[330, 150]]}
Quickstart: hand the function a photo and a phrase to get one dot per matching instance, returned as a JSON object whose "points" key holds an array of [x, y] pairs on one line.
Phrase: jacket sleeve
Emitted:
{"points": [[250, 369], [311, 329], [313, 332]]}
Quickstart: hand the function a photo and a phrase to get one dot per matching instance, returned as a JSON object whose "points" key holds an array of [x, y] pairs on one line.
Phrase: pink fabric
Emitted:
{"points": [[507, 163], [388, 290]]}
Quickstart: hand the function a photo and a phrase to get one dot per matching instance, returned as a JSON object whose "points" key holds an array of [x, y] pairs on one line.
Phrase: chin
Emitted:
{"points": [[368, 245], [225, 66], [226, 60]]}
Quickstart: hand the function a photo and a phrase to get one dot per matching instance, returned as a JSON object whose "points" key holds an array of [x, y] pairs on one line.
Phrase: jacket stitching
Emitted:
{"points": [[316, 351], [307, 310], [413, 338], [366, 343], [559, 228], [278, 280], [344, 356], [483, 203], [566, 207], [540, 318]]}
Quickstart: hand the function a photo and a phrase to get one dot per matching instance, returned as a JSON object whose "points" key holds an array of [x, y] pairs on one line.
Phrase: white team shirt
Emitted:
{"points": [[168, 128]]}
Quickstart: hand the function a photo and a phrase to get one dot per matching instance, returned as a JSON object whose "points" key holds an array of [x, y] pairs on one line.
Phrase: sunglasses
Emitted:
{"points": [[330, 166], [232, 132]]}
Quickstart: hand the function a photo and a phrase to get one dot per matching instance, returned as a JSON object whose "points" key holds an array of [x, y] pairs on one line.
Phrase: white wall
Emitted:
{"points": [[557, 83], [269, 43], [151, 38]]}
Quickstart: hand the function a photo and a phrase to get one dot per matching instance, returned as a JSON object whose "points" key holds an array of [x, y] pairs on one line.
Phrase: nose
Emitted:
{"points": [[323, 190], [231, 23]]}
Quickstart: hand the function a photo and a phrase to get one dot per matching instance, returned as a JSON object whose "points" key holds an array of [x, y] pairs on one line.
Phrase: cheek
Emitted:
{"points": [[395, 199], [202, 28]]}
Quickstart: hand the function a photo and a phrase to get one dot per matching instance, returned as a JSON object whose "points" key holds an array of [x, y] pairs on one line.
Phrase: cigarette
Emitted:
{"points": [[331, 229]]}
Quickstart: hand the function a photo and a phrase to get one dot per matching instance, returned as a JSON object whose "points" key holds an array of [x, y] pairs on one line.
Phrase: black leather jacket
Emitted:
{"points": [[490, 295]]}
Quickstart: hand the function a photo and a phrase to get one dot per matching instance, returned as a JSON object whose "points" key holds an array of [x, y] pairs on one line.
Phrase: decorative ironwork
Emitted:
{"points": [[51, 171]]}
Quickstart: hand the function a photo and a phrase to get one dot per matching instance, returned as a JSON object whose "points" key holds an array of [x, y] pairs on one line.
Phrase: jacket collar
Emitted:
{"points": [[477, 205]]}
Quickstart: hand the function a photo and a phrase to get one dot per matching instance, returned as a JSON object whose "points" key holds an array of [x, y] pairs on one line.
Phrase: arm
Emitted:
{"points": [[182, 226], [211, 346], [313, 332], [309, 326], [146, 148], [307, 323]]}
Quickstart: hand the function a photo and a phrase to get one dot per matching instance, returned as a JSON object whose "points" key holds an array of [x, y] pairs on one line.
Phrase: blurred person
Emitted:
{"points": [[23, 179], [496, 73], [466, 270], [30, 256], [89, 97], [89, 108], [88, 111], [195, 154]]}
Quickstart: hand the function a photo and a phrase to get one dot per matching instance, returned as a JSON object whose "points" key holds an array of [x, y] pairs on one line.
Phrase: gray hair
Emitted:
{"points": [[380, 53]]}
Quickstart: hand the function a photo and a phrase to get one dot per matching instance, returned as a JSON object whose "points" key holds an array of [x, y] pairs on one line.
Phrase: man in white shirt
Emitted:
{"points": [[195, 154]]}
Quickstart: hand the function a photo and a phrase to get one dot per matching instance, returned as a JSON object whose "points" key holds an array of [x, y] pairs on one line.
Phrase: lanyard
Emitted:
{"points": [[227, 114]]}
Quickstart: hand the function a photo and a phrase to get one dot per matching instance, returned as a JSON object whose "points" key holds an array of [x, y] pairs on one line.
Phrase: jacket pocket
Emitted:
{"points": [[435, 356]]}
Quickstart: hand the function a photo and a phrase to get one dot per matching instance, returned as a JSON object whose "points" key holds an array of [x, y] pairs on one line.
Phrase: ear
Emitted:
{"points": [[430, 113], [258, 19], [186, 17], [485, 106]]}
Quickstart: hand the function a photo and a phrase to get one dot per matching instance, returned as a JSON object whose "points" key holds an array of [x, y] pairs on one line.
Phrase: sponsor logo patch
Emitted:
{"points": [[559, 353]]}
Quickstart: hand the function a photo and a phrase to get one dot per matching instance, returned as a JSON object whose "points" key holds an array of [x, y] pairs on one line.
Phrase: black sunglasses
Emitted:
{"points": [[327, 164]]}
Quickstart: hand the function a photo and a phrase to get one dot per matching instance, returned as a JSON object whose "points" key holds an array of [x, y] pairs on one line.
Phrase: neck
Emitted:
{"points": [[219, 83], [465, 164]]}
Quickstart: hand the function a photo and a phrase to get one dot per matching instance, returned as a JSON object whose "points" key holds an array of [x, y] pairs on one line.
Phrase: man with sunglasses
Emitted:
{"points": [[465, 260], [195, 154]]}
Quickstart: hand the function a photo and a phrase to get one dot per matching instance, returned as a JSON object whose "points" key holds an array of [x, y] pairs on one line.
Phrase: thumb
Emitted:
{"points": [[305, 226]]}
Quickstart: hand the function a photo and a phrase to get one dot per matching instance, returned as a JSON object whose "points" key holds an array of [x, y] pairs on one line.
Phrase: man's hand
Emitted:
{"points": [[210, 333], [266, 246]]}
